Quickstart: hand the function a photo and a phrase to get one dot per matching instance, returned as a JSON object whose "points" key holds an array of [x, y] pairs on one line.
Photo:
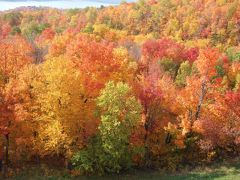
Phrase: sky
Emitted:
{"points": [[62, 4]]}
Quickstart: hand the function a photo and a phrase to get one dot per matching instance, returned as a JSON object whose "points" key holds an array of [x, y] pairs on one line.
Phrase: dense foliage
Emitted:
{"points": [[149, 84]]}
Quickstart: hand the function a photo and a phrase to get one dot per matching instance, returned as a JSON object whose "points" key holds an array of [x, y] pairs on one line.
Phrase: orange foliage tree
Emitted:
{"points": [[14, 55]]}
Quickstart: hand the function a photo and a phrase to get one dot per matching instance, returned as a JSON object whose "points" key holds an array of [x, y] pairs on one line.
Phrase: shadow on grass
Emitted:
{"points": [[225, 171]]}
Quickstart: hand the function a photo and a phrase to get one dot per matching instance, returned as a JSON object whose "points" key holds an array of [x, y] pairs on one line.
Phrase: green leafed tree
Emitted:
{"points": [[120, 114], [183, 72], [112, 151]]}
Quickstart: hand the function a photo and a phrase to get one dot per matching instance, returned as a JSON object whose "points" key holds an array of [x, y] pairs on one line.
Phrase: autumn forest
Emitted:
{"points": [[153, 84]]}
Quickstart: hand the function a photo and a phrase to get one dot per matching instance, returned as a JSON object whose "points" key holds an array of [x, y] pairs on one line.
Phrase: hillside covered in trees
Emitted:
{"points": [[151, 84]]}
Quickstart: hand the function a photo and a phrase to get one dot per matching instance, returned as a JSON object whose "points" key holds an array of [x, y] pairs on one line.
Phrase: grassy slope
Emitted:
{"points": [[224, 171]]}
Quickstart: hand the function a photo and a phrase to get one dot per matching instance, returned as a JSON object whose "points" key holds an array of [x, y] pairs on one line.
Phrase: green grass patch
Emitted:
{"points": [[222, 171]]}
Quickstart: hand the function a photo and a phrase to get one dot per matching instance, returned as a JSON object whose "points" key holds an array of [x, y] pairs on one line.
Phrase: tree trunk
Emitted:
{"points": [[1, 157], [192, 118], [6, 161], [1, 165], [201, 98], [148, 124], [146, 127]]}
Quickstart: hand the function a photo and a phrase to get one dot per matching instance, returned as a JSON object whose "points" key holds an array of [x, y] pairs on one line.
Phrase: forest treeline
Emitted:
{"points": [[151, 84]]}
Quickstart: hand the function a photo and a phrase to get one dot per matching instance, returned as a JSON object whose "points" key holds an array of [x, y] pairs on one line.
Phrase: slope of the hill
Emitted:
{"points": [[152, 84]]}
